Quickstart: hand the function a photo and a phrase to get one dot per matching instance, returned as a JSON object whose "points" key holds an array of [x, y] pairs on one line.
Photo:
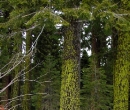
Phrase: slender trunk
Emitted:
{"points": [[26, 86], [95, 75], [6, 80], [5, 96], [70, 84], [16, 90]]}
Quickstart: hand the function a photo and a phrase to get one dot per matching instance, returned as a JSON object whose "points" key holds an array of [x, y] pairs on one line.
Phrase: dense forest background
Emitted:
{"points": [[65, 54]]}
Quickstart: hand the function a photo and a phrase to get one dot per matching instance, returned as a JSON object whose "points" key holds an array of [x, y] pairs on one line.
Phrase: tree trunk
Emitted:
{"points": [[122, 65], [95, 66], [121, 72], [26, 86], [70, 84], [5, 96], [16, 89]]}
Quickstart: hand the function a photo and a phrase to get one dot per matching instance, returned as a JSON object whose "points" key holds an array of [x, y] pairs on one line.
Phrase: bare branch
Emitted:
{"points": [[14, 63]]}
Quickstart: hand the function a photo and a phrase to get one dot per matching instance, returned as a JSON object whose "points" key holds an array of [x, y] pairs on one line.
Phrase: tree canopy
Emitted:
{"points": [[64, 54]]}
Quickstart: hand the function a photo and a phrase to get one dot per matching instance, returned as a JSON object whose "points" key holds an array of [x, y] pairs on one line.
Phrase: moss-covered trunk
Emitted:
{"points": [[70, 84], [26, 86], [122, 63], [121, 72]]}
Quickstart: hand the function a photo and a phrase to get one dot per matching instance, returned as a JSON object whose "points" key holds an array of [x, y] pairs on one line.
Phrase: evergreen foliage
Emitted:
{"points": [[59, 29], [102, 97], [47, 86]]}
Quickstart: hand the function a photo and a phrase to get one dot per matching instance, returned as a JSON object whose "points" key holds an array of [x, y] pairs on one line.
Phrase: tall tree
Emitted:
{"points": [[98, 30], [70, 84], [5, 50], [26, 77], [15, 88], [122, 62], [96, 64], [121, 73]]}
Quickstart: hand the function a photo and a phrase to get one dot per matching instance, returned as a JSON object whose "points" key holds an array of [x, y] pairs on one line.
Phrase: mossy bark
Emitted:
{"points": [[122, 65], [121, 73], [70, 84], [26, 86]]}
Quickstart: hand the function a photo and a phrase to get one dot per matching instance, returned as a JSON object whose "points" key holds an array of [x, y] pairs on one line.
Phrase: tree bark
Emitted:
{"points": [[26, 86], [95, 66], [5, 96], [121, 72], [70, 84], [16, 89]]}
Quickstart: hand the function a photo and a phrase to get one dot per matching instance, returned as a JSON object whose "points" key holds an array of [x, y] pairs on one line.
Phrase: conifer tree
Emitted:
{"points": [[98, 30], [122, 62], [5, 51], [31, 15], [70, 84], [48, 86], [26, 78], [48, 72], [121, 76], [4, 58], [15, 74]]}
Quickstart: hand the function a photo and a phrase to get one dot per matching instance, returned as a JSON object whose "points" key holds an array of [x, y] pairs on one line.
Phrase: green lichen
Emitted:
{"points": [[70, 90], [70, 86], [121, 70]]}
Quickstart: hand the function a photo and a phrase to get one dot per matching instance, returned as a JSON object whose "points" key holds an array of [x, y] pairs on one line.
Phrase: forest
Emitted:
{"points": [[64, 55]]}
